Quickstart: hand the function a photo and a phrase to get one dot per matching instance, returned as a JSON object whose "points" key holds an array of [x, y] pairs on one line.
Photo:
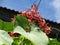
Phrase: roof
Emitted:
{"points": [[6, 14]]}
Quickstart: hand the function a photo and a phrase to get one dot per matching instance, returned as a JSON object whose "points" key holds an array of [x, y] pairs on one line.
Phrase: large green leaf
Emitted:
{"points": [[7, 26], [21, 21], [5, 39], [36, 36]]}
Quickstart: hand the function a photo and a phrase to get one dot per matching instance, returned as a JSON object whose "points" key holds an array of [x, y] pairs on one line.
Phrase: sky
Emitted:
{"points": [[49, 9]]}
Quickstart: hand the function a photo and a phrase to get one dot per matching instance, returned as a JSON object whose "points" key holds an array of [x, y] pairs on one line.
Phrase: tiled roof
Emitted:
{"points": [[7, 14], [6, 10]]}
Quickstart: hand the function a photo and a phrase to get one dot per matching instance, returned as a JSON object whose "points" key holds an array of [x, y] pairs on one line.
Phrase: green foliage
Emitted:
{"points": [[21, 21], [7, 26], [21, 41], [54, 42]]}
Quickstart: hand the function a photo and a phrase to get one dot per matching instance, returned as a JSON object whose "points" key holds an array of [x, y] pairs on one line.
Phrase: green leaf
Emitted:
{"points": [[5, 39], [54, 42], [35, 36], [1, 24], [21, 21], [7, 26]]}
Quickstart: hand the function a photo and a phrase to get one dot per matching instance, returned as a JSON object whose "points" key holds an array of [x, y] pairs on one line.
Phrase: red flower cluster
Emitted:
{"points": [[34, 17]]}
